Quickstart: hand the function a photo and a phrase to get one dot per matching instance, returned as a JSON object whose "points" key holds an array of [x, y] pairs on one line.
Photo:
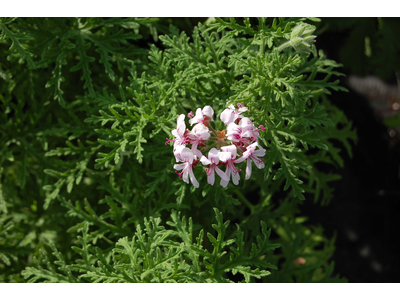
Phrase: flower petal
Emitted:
{"points": [[197, 117], [224, 183], [175, 133], [192, 178], [246, 123], [227, 116], [241, 159], [187, 155], [211, 177], [235, 178], [248, 169], [260, 152], [179, 166], [185, 175], [213, 155], [224, 156], [242, 109], [208, 111], [230, 149], [178, 152], [196, 151], [259, 164], [205, 161], [222, 174], [180, 124]]}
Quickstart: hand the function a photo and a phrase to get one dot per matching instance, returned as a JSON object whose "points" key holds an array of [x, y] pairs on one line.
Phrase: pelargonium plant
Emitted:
{"points": [[227, 147], [83, 102]]}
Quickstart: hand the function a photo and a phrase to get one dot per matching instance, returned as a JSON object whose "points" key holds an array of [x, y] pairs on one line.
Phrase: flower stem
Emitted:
{"points": [[244, 200]]}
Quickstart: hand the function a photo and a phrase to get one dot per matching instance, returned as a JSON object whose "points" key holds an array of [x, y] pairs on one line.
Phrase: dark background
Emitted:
{"points": [[364, 212]]}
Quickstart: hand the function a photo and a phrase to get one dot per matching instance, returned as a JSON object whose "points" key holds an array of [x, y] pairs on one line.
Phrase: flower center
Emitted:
{"points": [[221, 139]]}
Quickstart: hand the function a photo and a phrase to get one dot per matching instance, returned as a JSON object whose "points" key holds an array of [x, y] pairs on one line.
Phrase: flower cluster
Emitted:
{"points": [[227, 148]]}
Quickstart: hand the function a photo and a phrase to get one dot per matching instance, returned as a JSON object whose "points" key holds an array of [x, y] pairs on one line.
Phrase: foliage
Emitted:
{"points": [[154, 255], [86, 105]]}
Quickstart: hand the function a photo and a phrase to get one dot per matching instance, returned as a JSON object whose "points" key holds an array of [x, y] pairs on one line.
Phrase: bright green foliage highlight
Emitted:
{"points": [[86, 105], [156, 254]]}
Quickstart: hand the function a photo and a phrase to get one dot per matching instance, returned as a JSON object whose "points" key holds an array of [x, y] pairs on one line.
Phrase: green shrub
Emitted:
{"points": [[88, 191]]}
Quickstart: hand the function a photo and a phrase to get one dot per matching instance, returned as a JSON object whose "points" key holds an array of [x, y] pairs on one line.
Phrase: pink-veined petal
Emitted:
{"points": [[247, 133], [259, 164], [246, 123], [211, 177], [228, 170], [213, 155], [235, 178], [178, 151], [187, 155], [200, 131]]}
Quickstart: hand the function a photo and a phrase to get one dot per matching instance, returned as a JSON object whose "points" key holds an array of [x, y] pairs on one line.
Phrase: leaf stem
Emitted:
{"points": [[244, 200]]}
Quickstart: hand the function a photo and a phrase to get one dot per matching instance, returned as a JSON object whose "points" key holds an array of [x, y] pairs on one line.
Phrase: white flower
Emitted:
{"points": [[234, 132], [240, 133], [185, 155], [248, 129], [246, 124], [254, 154], [198, 135], [180, 133], [230, 115], [214, 156], [202, 115], [230, 168]]}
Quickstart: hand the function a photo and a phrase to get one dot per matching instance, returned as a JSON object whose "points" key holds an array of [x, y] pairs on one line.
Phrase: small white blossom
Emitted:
{"points": [[214, 156], [248, 129], [230, 115], [202, 115], [179, 133], [185, 155], [240, 137], [198, 135], [254, 154], [230, 168]]}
